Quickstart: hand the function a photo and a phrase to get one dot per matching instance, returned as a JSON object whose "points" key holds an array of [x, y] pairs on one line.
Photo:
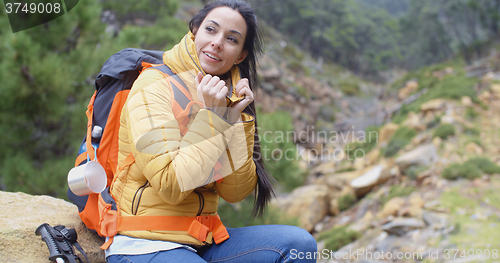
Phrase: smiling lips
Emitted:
{"points": [[212, 56]]}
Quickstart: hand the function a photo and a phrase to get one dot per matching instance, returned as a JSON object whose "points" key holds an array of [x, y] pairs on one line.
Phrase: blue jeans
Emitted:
{"points": [[265, 243]]}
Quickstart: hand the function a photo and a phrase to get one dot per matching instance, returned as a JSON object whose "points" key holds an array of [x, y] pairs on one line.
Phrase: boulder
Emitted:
{"points": [[495, 88], [391, 207], [447, 119], [472, 147], [433, 105], [372, 157], [410, 88], [364, 223], [20, 216], [338, 185], [374, 176], [400, 226], [437, 142], [416, 200], [467, 101], [386, 133], [270, 74], [421, 138], [415, 121], [488, 77], [429, 117], [415, 209], [484, 97], [308, 203], [337, 182], [422, 155], [334, 209]]}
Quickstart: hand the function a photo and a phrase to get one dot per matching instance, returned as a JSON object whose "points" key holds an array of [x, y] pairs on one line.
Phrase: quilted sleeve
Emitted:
{"points": [[242, 176]]}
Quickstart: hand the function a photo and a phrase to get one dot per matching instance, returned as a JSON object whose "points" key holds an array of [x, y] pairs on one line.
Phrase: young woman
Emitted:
{"points": [[184, 163]]}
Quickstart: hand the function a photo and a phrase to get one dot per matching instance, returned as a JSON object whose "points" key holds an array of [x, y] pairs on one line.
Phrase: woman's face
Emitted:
{"points": [[219, 40]]}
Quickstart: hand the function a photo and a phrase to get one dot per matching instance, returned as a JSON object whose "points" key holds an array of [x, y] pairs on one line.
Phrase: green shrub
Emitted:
{"points": [[394, 146], [474, 140], [472, 131], [370, 141], [338, 237], [434, 122], [414, 170], [471, 114], [296, 65], [346, 169], [240, 215], [278, 150], [396, 191], [449, 87], [452, 172], [466, 170], [346, 201], [484, 164], [399, 140], [444, 130], [350, 87]]}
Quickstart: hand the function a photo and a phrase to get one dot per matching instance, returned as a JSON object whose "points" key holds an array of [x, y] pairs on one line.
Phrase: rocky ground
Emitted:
{"points": [[402, 204]]}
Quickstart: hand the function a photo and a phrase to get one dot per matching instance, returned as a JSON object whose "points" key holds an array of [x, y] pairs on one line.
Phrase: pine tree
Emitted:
{"points": [[47, 75]]}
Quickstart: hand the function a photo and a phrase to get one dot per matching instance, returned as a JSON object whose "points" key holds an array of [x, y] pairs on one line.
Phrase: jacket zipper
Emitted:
{"points": [[138, 195]]}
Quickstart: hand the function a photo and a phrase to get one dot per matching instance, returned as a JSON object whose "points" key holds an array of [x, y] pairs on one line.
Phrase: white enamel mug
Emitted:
{"points": [[87, 179]]}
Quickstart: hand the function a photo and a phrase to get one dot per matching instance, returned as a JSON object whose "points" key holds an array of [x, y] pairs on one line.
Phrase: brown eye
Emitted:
{"points": [[233, 39]]}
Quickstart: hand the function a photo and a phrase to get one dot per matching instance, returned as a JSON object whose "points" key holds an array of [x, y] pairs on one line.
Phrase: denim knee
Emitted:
{"points": [[300, 239]]}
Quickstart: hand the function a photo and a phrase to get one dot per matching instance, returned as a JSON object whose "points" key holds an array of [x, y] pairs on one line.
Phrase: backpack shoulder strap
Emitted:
{"points": [[182, 98], [180, 91]]}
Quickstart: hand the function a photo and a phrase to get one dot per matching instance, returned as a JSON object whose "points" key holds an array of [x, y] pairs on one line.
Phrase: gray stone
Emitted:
{"points": [[400, 226], [422, 155], [309, 203]]}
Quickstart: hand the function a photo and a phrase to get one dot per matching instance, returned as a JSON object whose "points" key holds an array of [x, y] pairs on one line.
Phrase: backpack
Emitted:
{"points": [[99, 211], [113, 85]]}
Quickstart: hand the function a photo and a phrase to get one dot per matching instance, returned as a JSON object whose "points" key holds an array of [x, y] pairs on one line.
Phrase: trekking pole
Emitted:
{"points": [[55, 254]]}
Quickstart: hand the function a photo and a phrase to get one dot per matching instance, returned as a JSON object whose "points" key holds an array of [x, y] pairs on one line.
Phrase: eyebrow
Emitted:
{"points": [[231, 30]]}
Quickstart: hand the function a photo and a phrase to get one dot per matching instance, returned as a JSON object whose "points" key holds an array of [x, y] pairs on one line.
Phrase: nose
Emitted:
{"points": [[217, 43]]}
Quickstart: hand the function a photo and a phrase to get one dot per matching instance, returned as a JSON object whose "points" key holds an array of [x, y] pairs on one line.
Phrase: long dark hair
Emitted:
{"points": [[248, 69]]}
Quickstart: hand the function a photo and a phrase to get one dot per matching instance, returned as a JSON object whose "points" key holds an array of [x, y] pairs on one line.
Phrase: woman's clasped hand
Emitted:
{"points": [[212, 92]]}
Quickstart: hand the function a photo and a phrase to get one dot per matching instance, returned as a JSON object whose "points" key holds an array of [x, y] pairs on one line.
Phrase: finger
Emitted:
{"points": [[245, 91], [206, 80], [241, 105], [198, 79], [213, 81], [241, 83], [221, 95], [220, 91], [218, 87]]}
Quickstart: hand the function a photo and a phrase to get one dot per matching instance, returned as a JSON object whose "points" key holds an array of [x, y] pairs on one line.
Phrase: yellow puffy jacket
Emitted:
{"points": [[173, 174]]}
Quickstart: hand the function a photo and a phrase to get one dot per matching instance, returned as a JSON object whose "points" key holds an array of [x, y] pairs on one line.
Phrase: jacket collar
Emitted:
{"points": [[182, 58]]}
